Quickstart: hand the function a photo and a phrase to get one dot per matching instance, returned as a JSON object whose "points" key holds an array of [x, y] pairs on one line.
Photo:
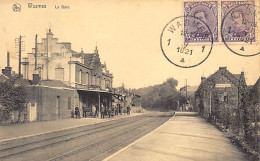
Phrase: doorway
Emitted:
{"points": [[58, 107]]}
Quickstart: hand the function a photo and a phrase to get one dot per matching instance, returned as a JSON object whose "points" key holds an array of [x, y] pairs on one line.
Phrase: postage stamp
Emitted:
{"points": [[238, 21], [239, 29], [206, 11]]}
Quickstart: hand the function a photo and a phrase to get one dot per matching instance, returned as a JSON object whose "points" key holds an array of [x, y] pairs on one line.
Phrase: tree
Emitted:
{"points": [[163, 95], [13, 97]]}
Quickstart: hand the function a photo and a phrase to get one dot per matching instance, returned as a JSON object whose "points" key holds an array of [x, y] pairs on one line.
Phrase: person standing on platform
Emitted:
{"points": [[128, 110], [77, 112], [109, 111], [84, 111], [113, 110], [94, 113], [102, 110]]}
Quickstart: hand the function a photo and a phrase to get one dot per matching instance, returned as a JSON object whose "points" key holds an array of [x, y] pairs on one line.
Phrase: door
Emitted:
{"points": [[58, 107]]}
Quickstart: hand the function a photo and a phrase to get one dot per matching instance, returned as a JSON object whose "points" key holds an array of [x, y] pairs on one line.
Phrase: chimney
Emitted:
{"points": [[8, 70], [222, 68], [8, 59], [36, 79], [202, 79]]}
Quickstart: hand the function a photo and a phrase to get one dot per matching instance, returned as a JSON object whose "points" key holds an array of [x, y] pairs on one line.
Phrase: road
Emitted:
{"points": [[92, 142]]}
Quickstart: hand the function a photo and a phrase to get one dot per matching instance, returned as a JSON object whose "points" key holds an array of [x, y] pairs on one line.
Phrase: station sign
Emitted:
{"points": [[222, 85]]}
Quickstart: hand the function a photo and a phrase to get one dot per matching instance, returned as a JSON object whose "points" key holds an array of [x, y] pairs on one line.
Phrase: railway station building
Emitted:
{"points": [[63, 78], [220, 92]]}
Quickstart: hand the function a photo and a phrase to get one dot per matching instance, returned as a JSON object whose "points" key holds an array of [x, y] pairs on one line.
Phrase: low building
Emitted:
{"points": [[188, 92], [220, 92]]}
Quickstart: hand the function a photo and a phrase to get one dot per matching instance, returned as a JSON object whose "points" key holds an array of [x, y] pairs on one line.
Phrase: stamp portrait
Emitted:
{"points": [[238, 21], [195, 30]]}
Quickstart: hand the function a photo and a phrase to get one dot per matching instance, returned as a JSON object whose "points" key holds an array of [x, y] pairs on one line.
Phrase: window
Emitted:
{"points": [[87, 83], [80, 76], [83, 79], [225, 97], [103, 85], [59, 74], [93, 80], [108, 83], [69, 103]]}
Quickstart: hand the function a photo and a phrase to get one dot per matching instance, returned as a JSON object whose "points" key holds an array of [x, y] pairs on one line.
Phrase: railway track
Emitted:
{"points": [[90, 134]]}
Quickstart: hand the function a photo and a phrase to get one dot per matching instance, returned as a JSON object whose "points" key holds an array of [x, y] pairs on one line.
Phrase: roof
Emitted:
{"points": [[23, 81], [237, 76], [89, 59], [19, 81], [54, 83], [234, 78], [190, 88], [3, 78]]}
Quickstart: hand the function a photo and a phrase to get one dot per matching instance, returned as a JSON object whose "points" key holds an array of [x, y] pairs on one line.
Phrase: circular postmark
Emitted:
{"points": [[186, 41], [238, 29]]}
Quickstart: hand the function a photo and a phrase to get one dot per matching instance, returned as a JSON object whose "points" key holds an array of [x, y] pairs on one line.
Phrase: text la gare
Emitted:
{"points": [[62, 7]]}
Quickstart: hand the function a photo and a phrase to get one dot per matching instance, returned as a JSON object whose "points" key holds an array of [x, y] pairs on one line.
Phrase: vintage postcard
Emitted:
{"points": [[171, 80]]}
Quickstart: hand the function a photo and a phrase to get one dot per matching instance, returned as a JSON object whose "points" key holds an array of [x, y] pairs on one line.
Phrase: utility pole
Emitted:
{"points": [[186, 88], [35, 52], [21, 47], [47, 63], [20, 53]]}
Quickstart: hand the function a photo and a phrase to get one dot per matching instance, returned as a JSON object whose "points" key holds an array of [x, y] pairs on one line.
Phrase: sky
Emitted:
{"points": [[127, 34]]}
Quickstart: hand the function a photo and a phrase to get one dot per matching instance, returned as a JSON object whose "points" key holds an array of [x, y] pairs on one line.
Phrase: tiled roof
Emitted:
{"points": [[237, 76], [54, 83], [89, 59], [23, 81], [234, 78], [19, 81], [3, 78]]}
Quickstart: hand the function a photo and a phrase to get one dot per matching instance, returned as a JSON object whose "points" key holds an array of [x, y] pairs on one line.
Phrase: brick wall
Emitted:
{"points": [[53, 103]]}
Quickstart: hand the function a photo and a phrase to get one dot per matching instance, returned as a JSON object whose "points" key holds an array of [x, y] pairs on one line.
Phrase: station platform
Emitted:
{"points": [[17, 131], [184, 137]]}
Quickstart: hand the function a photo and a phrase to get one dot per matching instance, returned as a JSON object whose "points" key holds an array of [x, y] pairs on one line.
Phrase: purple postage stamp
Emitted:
{"points": [[238, 21], [197, 31]]}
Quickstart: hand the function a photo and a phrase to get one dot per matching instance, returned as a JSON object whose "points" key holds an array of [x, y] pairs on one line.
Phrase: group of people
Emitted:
{"points": [[110, 111]]}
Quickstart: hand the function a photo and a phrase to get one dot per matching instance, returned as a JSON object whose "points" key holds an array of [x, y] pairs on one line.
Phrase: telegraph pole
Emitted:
{"points": [[47, 63], [20, 53], [35, 52], [186, 89], [21, 47]]}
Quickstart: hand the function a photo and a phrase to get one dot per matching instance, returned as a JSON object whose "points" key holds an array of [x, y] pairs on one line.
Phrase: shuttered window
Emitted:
{"points": [[59, 74]]}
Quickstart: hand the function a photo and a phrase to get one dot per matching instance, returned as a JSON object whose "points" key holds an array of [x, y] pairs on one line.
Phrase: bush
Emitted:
{"points": [[13, 97]]}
